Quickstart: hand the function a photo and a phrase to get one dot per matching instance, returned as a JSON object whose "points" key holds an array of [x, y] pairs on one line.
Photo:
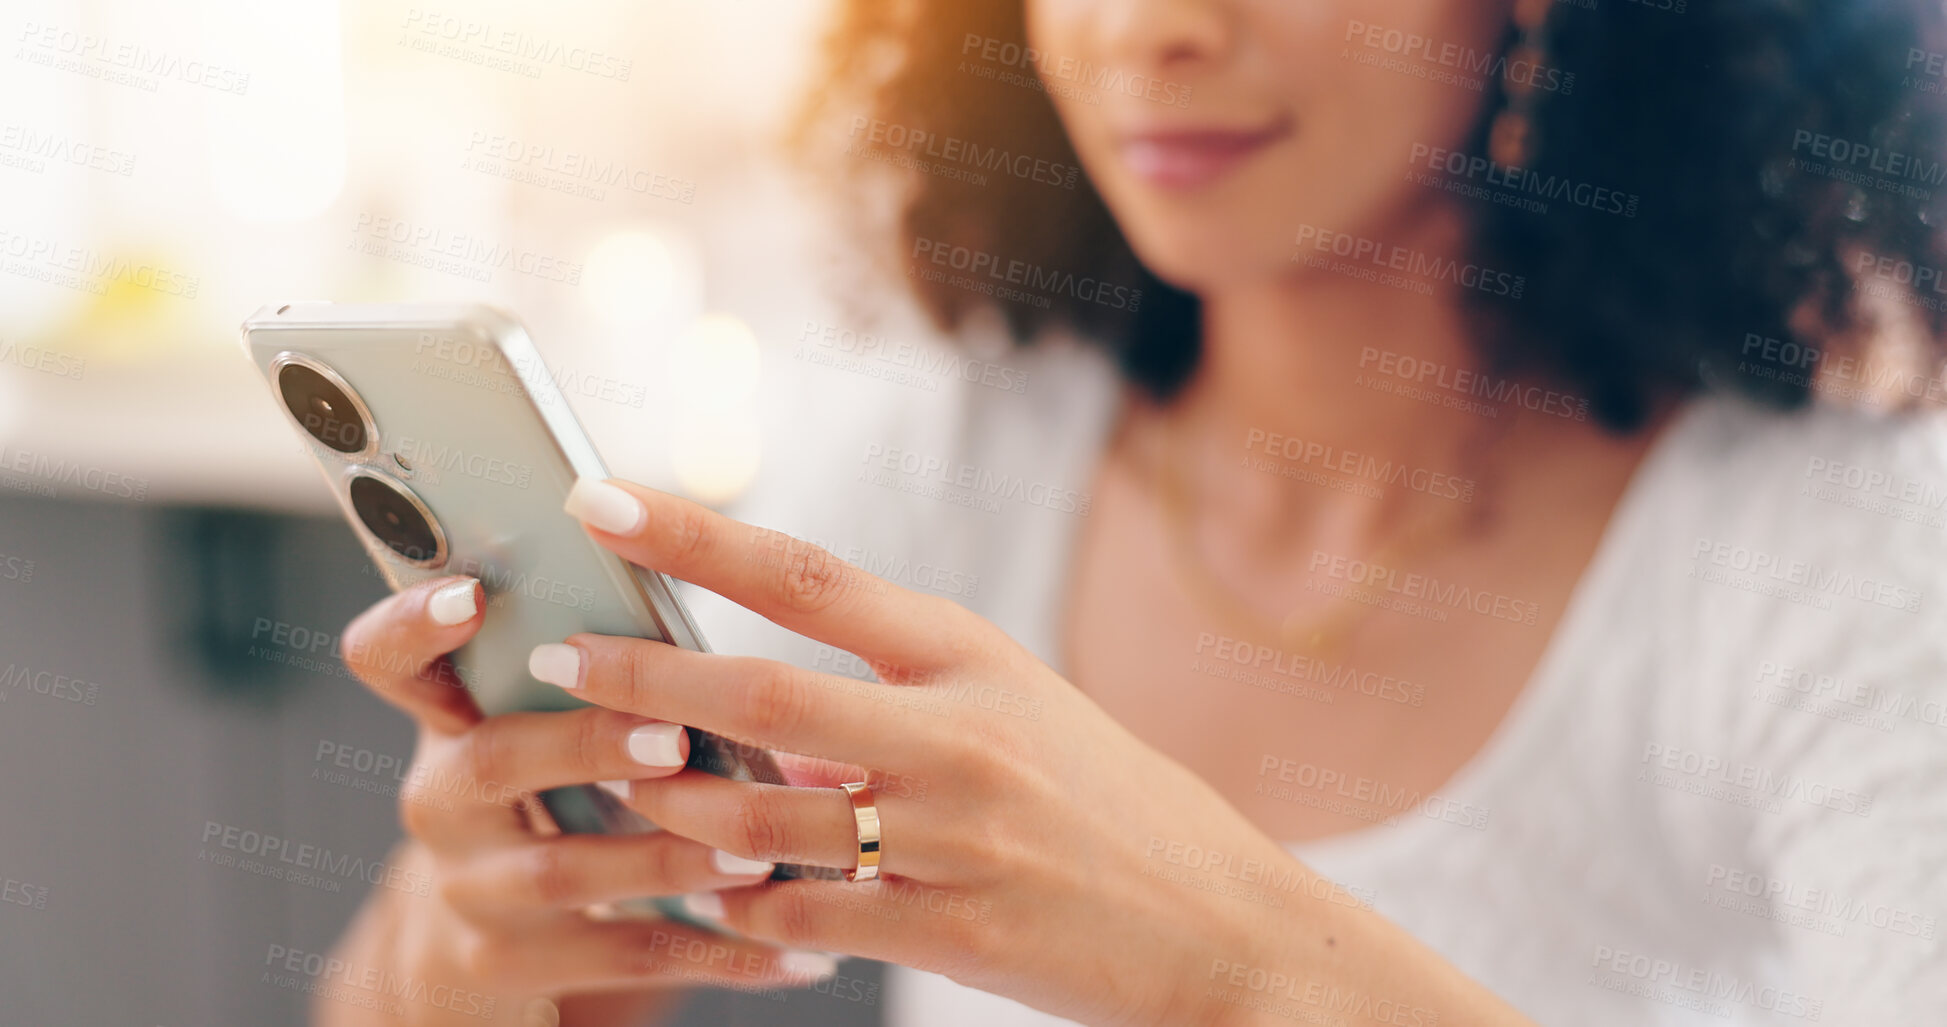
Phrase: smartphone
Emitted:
{"points": [[450, 450]]}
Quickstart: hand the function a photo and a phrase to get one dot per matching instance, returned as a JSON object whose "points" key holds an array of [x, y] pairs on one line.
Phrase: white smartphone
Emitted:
{"points": [[451, 450]]}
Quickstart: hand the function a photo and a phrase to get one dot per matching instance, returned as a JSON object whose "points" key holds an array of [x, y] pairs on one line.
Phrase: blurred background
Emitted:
{"points": [[166, 169]]}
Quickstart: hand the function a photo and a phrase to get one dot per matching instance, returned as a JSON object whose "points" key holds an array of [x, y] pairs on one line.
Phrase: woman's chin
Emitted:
{"points": [[1202, 263]]}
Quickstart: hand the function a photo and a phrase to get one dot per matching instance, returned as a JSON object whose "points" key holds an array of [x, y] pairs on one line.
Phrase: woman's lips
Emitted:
{"points": [[1193, 158]]}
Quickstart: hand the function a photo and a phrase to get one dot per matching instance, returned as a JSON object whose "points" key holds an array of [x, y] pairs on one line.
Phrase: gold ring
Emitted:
{"points": [[867, 816]]}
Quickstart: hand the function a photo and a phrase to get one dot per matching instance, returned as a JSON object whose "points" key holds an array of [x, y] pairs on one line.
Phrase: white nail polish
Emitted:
{"points": [[657, 745], [814, 965], [556, 663], [704, 905], [731, 863], [605, 507], [453, 604], [619, 789], [540, 1012]]}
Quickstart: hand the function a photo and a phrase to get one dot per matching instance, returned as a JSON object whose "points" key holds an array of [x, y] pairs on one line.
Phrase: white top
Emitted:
{"points": [[1722, 796]]}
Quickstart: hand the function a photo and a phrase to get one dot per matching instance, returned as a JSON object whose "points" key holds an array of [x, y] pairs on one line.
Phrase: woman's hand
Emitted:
{"points": [[1032, 847], [500, 920]]}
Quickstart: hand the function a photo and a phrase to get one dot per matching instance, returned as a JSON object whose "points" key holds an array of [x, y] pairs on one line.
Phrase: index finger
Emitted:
{"points": [[398, 648], [788, 581]]}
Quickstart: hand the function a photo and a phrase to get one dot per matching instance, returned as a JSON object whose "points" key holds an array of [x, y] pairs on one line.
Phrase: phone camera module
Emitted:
{"points": [[324, 407], [397, 518]]}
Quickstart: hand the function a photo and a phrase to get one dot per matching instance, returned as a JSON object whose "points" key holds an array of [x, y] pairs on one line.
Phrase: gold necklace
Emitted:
{"points": [[1323, 633]]}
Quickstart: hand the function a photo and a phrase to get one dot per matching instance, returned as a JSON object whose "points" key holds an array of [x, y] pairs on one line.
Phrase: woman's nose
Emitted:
{"points": [[1166, 35]]}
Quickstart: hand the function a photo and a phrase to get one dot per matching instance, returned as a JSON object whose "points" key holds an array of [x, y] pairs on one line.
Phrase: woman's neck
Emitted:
{"points": [[1308, 382], [1337, 362], [1333, 358]]}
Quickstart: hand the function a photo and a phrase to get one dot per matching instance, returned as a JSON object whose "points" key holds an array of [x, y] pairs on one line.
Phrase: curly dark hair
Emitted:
{"points": [[1757, 134]]}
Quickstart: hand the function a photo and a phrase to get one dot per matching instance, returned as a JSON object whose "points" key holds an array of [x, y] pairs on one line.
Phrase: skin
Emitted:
{"points": [[1283, 351], [503, 919], [1048, 826]]}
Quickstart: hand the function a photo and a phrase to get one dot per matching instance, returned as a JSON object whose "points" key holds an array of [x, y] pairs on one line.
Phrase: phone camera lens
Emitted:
{"points": [[323, 407], [397, 518]]}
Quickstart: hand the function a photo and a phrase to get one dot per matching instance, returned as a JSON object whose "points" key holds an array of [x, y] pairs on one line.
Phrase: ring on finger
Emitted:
{"points": [[866, 813]]}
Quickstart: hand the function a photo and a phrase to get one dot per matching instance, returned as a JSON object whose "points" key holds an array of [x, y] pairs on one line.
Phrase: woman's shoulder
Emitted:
{"points": [[1732, 431], [862, 430], [1791, 577], [1054, 418], [949, 468], [1814, 538], [1802, 575], [1831, 510]]}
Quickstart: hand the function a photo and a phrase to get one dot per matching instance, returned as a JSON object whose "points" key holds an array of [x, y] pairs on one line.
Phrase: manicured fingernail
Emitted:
{"points": [[657, 745], [556, 663], [453, 604], [704, 905], [540, 1012], [814, 965], [619, 789], [605, 506], [735, 865]]}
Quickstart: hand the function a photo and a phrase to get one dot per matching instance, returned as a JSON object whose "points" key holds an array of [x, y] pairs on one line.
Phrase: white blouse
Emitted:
{"points": [[1722, 796]]}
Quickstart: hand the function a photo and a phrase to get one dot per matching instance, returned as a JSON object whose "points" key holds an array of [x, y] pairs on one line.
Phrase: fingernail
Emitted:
{"points": [[556, 663], [814, 965], [453, 604], [656, 745], [619, 789], [704, 905], [605, 506], [540, 1012], [735, 865]]}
